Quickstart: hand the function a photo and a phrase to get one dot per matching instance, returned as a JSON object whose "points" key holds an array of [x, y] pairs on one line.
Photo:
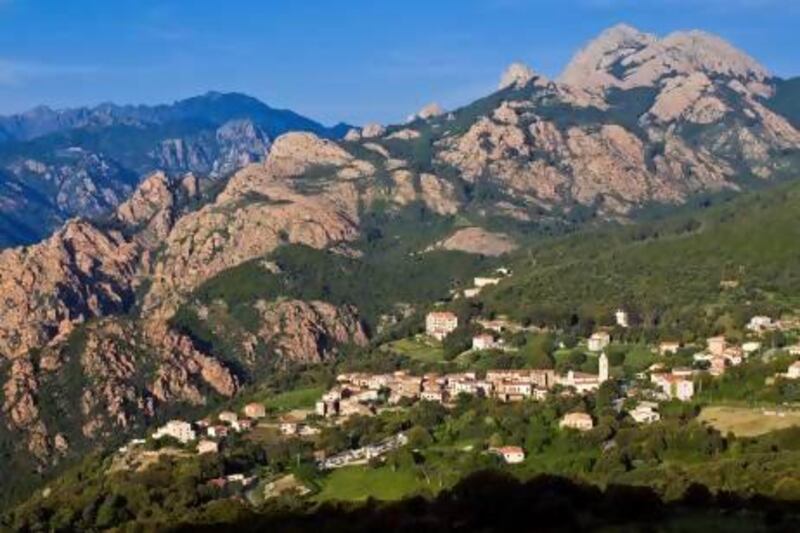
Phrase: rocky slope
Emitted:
{"points": [[55, 165]]}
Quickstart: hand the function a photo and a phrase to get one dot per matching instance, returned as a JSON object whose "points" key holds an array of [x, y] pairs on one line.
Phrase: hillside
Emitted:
{"points": [[693, 273]]}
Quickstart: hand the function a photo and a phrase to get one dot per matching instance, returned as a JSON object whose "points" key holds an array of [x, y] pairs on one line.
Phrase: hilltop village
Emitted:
{"points": [[359, 395]]}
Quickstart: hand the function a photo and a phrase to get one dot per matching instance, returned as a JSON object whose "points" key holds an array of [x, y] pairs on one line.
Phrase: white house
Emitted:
{"points": [[598, 341], [669, 347], [485, 282], [440, 324], [207, 446], [228, 416], [680, 387], [579, 421], [751, 347], [622, 318], [794, 371], [645, 413], [760, 323], [178, 430], [484, 341]]}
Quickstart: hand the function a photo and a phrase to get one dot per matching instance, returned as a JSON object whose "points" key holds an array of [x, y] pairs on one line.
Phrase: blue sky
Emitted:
{"points": [[350, 60]]}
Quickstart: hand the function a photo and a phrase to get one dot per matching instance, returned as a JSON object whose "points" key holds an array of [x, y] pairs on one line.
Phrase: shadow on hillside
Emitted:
{"points": [[493, 501]]}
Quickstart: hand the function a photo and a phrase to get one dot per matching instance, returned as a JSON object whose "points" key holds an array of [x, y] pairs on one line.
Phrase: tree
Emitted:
{"points": [[418, 437], [457, 342]]}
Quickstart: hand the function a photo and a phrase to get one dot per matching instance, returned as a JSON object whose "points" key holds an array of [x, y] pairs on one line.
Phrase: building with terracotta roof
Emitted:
{"points": [[511, 454]]}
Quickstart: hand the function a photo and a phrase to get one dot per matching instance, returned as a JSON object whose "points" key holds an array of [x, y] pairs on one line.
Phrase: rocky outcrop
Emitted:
{"points": [[478, 241], [262, 207], [79, 273], [624, 57], [427, 112], [372, 130], [129, 371], [516, 75], [308, 332]]}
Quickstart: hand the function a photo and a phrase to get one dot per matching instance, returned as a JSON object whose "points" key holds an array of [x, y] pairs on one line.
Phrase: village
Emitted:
{"points": [[370, 394]]}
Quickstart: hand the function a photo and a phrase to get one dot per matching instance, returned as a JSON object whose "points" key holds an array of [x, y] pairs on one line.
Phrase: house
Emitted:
{"points": [[433, 395], [579, 421], [668, 347], [227, 416], [255, 410], [288, 428], [583, 382], [207, 446], [511, 454], [484, 341], [760, 324], [580, 381], [514, 390], [485, 282], [178, 430], [718, 365], [243, 424], [717, 345], [497, 325], [351, 408], [217, 431], [734, 355], [598, 341], [645, 413], [440, 324], [676, 387], [622, 318], [472, 293], [751, 347], [794, 371]]}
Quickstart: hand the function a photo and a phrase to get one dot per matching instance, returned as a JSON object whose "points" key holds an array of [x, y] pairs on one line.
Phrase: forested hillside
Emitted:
{"points": [[690, 273]]}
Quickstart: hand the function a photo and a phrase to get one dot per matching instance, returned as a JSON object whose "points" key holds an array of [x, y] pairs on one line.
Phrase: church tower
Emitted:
{"points": [[603, 375]]}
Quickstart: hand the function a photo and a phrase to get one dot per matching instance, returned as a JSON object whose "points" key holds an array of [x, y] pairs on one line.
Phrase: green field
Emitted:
{"points": [[295, 399], [361, 482], [418, 349], [746, 421]]}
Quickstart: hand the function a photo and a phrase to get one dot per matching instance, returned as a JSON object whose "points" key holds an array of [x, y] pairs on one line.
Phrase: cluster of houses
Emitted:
{"points": [[208, 433], [359, 393], [365, 394]]}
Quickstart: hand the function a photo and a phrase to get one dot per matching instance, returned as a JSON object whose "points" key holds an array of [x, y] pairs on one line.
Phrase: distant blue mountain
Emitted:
{"points": [[57, 164]]}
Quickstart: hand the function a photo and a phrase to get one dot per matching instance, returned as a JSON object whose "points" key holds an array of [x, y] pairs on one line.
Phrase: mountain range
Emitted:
{"points": [[59, 164], [245, 248]]}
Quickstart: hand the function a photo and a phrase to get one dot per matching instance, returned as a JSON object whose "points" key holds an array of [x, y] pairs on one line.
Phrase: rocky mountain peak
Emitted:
{"points": [[429, 111], [591, 66], [625, 57], [516, 74]]}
